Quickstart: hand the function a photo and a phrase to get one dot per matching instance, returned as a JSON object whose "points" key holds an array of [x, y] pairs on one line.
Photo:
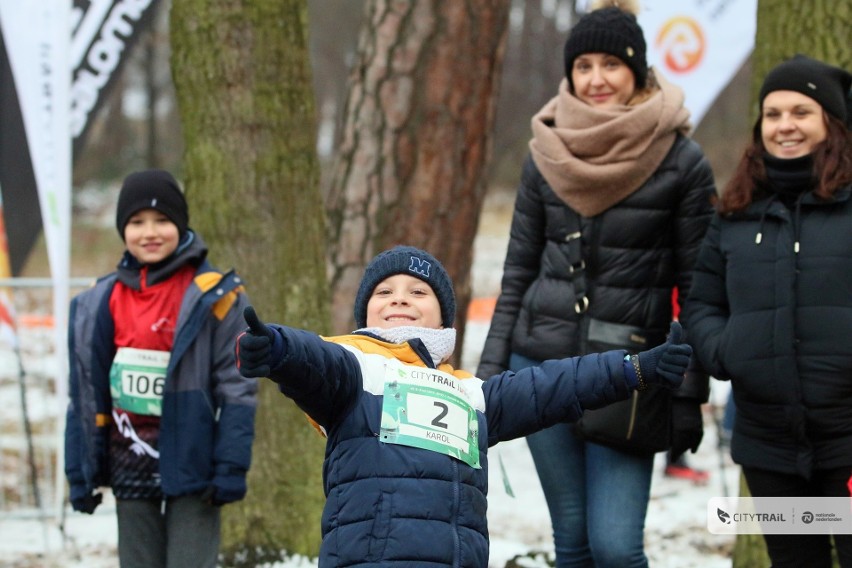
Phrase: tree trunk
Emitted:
{"points": [[416, 137], [243, 84], [820, 29]]}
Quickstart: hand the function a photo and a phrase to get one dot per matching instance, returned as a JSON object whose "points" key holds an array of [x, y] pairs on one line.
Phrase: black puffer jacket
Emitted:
{"points": [[778, 324], [636, 252]]}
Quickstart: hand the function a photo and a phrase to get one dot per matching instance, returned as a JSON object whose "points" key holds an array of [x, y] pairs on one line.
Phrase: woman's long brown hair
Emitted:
{"points": [[832, 164]]}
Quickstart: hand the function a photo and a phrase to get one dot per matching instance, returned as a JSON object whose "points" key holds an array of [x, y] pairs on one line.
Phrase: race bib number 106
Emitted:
{"points": [[137, 379]]}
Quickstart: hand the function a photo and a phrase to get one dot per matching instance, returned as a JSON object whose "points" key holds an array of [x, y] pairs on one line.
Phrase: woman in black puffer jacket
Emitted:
{"points": [[771, 302], [613, 203]]}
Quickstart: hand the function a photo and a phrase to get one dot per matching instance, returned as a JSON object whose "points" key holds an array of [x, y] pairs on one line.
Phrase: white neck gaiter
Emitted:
{"points": [[440, 342]]}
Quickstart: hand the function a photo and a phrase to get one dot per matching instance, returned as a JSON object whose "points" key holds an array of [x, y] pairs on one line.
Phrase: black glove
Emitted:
{"points": [[87, 503], [254, 347], [687, 426], [666, 364], [225, 489]]}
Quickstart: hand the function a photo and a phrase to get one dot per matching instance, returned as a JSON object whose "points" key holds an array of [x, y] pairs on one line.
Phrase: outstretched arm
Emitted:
{"points": [[322, 378], [559, 390]]}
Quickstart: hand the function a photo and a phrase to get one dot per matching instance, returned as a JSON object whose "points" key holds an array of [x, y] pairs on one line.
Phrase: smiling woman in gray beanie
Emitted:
{"points": [[771, 305], [613, 201]]}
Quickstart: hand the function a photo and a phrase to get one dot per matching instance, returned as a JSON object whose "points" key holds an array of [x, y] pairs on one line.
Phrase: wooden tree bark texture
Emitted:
{"points": [[243, 83], [416, 137]]}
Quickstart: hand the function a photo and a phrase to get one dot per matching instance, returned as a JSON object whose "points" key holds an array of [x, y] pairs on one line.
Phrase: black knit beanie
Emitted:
{"points": [[826, 84], [414, 262], [151, 189], [609, 30]]}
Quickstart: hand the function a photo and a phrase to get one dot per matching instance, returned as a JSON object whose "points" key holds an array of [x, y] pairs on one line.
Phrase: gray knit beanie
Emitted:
{"points": [[414, 262]]}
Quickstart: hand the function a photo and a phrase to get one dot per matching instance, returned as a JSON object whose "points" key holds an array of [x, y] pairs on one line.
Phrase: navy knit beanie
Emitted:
{"points": [[414, 262], [609, 30], [826, 84], [151, 189]]}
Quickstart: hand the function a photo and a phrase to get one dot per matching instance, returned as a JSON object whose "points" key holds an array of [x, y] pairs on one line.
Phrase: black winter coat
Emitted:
{"points": [[636, 252], [779, 325]]}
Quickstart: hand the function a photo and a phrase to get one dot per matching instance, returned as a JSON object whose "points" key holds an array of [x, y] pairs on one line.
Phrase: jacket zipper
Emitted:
{"points": [[634, 403]]}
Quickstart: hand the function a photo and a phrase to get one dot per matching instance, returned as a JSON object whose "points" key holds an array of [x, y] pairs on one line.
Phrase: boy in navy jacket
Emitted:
{"points": [[406, 466], [158, 411]]}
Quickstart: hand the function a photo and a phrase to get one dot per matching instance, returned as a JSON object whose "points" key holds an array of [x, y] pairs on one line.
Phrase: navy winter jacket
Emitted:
{"points": [[207, 423], [771, 309], [396, 505]]}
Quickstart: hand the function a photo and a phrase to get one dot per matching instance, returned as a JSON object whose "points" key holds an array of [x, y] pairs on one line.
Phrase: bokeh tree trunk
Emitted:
{"points": [[416, 138], [819, 29], [243, 82]]}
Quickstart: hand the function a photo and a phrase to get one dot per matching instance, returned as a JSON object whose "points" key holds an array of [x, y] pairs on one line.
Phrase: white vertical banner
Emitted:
{"points": [[37, 36], [699, 44]]}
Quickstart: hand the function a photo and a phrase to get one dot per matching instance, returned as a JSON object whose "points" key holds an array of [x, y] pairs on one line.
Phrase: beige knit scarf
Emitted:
{"points": [[593, 158]]}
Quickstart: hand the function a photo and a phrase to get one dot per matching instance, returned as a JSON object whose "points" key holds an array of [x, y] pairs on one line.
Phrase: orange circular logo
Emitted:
{"points": [[681, 43]]}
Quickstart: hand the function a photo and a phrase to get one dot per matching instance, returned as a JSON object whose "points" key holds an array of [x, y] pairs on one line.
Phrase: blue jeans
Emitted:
{"points": [[597, 496]]}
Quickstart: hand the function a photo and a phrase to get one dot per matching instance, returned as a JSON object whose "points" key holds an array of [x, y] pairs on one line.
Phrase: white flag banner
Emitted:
{"points": [[699, 45], [37, 39]]}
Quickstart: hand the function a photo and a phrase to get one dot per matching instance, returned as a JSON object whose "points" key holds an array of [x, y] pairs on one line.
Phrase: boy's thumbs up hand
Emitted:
{"points": [[254, 347], [666, 364]]}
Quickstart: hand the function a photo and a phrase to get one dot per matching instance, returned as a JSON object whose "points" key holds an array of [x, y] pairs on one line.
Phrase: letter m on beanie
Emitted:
{"points": [[419, 266]]}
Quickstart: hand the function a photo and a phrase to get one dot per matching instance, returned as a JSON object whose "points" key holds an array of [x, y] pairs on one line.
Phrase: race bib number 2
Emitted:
{"points": [[137, 379], [425, 408]]}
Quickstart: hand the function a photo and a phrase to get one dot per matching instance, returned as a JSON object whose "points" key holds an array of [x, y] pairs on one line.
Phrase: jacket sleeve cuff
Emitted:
{"points": [[630, 373], [276, 353]]}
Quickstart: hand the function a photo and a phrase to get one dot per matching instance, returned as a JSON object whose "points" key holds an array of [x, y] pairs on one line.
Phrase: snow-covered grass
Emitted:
{"points": [[676, 534]]}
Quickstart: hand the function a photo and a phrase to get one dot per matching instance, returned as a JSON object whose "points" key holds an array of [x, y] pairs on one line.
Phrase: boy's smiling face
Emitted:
{"points": [[150, 236], [403, 300]]}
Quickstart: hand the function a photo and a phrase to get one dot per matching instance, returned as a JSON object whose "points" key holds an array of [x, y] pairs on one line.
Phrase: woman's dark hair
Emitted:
{"points": [[832, 164]]}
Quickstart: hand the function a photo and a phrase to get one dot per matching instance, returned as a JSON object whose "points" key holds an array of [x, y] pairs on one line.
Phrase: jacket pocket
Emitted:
{"points": [[381, 527]]}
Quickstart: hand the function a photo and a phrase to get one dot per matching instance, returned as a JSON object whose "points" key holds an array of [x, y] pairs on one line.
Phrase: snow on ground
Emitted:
{"points": [[676, 534]]}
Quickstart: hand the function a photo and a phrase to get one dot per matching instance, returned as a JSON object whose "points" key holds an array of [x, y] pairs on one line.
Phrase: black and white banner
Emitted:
{"points": [[35, 146], [58, 59], [102, 33], [34, 136]]}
